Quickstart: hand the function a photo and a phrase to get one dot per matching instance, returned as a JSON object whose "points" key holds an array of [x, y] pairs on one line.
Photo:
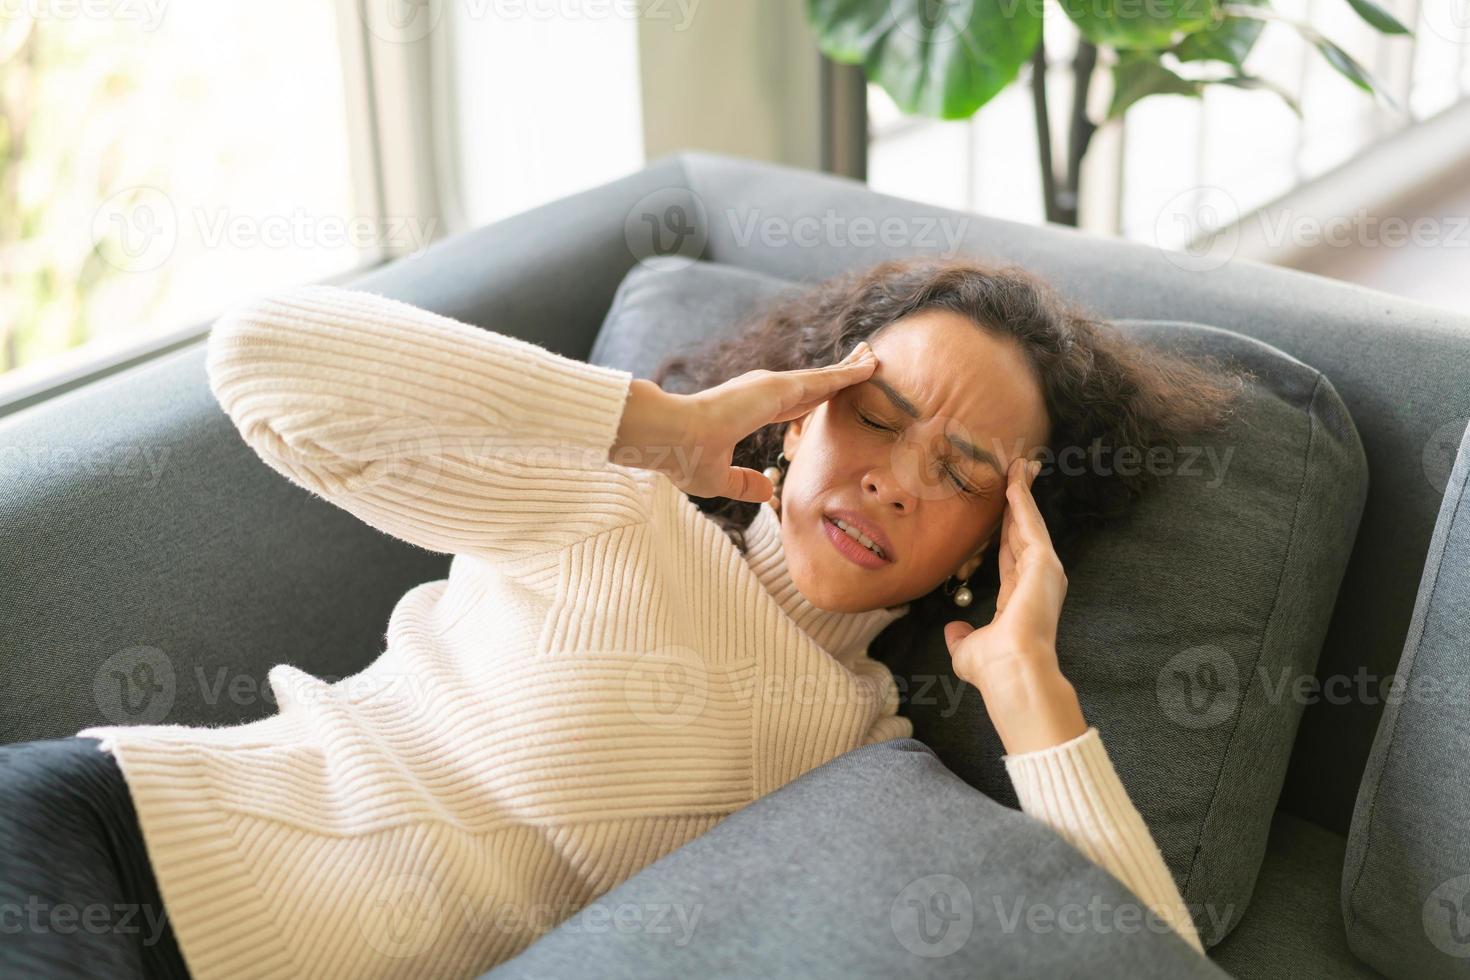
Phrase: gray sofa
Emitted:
{"points": [[153, 569]]}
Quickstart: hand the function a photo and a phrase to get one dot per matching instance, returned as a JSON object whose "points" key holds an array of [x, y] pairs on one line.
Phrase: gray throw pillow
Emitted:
{"points": [[1187, 625], [659, 312], [1406, 876]]}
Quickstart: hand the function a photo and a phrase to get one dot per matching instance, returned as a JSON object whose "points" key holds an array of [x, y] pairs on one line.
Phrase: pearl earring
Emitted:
{"points": [[775, 473], [962, 596]]}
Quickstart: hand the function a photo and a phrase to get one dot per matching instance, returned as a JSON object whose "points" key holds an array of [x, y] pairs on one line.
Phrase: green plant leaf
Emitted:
{"points": [[1344, 63], [1136, 76], [938, 58], [1336, 56], [1138, 23], [846, 29], [1255, 82], [1378, 17], [1228, 39]]}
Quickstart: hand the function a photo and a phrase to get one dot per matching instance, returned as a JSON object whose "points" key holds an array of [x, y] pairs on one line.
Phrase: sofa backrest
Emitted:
{"points": [[96, 562], [1402, 368]]}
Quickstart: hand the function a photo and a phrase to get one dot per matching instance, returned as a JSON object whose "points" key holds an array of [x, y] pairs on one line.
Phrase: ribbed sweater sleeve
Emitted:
{"points": [[450, 437], [1074, 789]]}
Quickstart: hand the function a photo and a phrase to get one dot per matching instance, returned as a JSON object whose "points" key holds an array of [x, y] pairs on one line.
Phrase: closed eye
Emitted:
{"points": [[954, 477]]}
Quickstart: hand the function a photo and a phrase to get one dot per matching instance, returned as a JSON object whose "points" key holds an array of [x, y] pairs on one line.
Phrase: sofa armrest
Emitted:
{"points": [[153, 569]]}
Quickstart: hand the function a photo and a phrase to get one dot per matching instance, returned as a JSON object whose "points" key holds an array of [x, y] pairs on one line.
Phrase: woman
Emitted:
{"points": [[609, 671]]}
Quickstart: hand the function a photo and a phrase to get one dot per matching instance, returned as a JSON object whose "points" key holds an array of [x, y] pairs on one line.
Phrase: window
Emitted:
{"points": [[161, 161], [1245, 147], [547, 101]]}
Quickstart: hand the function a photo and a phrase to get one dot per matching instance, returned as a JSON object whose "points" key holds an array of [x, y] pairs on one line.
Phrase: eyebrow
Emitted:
{"points": [[910, 409]]}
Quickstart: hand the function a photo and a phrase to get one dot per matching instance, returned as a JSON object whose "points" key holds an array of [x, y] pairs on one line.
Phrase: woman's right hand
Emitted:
{"points": [[691, 438]]}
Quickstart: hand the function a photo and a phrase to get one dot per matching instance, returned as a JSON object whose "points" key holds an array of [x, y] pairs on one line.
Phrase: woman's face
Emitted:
{"points": [[915, 456]]}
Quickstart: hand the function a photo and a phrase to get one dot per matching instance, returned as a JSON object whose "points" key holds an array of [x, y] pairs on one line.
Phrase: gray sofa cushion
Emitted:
{"points": [[1294, 926], [1185, 626], [1406, 880], [655, 313]]}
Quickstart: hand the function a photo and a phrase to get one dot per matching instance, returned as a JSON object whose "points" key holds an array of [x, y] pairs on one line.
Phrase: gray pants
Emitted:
{"points": [[881, 863]]}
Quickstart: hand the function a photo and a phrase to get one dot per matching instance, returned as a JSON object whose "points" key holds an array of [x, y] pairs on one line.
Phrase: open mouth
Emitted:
{"points": [[854, 544]]}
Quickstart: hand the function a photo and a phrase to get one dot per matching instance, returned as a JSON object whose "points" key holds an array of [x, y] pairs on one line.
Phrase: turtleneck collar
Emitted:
{"points": [[843, 635]]}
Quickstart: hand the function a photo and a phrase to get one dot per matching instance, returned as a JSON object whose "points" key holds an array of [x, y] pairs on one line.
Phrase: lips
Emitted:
{"points": [[849, 548], [868, 528]]}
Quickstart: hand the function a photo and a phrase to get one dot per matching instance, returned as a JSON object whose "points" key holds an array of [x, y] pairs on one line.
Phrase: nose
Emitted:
{"points": [[888, 490], [906, 475]]}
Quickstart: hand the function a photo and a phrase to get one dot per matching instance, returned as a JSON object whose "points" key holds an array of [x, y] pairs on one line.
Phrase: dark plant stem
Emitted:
{"points": [[1079, 134], [1043, 129]]}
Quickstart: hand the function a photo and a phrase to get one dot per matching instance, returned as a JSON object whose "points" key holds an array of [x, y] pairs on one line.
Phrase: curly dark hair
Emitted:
{"points": [[1102, 390]]}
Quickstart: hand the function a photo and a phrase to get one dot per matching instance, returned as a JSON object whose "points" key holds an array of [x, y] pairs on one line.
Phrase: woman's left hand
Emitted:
{"points": [[1013, 659]]}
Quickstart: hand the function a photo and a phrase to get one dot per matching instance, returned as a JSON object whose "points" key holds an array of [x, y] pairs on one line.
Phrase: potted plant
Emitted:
{"points": [[947, 58]]}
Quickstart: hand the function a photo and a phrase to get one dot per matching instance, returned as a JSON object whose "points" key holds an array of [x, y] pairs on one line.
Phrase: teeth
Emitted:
{"points": [[860, 537]]}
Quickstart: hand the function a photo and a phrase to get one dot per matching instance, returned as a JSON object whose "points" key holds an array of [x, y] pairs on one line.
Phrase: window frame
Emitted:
{"points": [[390, 101]]}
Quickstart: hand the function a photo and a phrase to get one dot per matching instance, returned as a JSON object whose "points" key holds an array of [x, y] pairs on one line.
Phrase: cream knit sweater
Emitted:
{"points": [[602, 677]]}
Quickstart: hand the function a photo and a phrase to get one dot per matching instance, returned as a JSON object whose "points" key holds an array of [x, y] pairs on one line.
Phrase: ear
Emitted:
{"points": [[792, 439], [967, 568]]}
